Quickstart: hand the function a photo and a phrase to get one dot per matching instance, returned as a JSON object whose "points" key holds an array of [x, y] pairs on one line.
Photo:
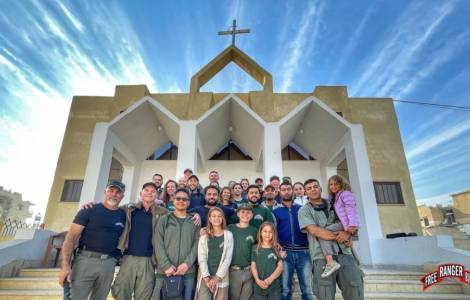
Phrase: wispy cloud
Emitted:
{"points": [[42, 86], [392, 59], [438, 139], [352, 44], [296, 47]]}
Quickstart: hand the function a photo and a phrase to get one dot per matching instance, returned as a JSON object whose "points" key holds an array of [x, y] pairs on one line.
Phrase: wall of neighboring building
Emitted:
{"points": [[461, 207], [434, 215], [13, 207]]}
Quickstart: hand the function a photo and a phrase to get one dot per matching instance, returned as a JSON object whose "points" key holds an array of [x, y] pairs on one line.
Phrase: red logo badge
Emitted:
{"points": [[446, 271]]}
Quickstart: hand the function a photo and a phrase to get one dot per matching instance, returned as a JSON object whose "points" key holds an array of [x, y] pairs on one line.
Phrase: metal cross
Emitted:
{"points": [[234, 31]]}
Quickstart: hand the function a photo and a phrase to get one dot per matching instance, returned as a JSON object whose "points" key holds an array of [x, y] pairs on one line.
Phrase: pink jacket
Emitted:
{"points": [[345, 208]]}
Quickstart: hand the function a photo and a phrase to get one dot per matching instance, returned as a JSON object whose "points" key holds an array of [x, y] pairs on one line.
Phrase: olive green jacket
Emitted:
{"points": [[175, 243]]}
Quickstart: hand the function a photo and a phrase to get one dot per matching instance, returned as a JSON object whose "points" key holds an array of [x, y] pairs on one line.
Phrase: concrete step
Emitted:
{"points": [[40, 273], [410, 286], [55, 294], [392, 274], [410, 296], [29, 283]]}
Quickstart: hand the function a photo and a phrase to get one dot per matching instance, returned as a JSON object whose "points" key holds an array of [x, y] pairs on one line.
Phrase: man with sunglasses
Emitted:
{"points": [[176, 242]]}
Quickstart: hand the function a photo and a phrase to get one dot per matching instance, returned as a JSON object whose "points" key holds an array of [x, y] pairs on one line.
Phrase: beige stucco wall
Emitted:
{"points": [[461, 207], [301, 170], [387, 160], [384, 145]]}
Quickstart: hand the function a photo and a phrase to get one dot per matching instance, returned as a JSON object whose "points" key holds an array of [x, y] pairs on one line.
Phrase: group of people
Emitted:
{"points": [[241, 241]]}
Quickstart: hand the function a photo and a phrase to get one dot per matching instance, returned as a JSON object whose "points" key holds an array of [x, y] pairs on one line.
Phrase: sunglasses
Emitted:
{"points": [[181, 199]]}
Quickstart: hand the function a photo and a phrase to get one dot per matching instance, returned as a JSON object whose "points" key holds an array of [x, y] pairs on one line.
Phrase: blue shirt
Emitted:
{"points": [[203, 212], [288, 229], [196, 199], [140, 235], [103, 227]]}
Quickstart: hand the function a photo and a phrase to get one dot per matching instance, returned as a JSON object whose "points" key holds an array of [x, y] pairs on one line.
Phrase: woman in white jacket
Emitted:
{"points": [[214, 256]]}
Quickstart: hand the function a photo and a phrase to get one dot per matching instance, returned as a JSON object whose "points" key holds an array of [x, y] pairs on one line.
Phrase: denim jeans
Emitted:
{"points": [[298, 261], [189, 287]]}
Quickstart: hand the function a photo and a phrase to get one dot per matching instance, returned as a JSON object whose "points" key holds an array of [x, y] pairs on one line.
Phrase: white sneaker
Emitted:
{"points": [[330, 269]]}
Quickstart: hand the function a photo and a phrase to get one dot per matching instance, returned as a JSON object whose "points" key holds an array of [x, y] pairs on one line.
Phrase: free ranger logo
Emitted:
{"points": [[272, 255]]}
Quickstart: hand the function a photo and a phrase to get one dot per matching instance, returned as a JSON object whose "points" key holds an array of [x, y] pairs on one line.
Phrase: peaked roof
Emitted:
{"points": [[232, 54]]}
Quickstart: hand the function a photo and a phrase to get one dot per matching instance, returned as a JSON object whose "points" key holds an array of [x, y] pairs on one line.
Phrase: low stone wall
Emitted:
{"points": [[26, 250]]}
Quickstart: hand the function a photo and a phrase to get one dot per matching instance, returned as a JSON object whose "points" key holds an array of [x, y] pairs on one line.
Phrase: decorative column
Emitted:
{"points": [[272, 156]]}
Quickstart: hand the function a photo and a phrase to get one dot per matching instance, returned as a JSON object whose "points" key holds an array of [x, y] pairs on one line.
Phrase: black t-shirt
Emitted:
{"points": [[103, 227]]}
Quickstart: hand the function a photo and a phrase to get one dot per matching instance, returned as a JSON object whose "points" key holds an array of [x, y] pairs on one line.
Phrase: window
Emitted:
{"points": [[425, 221], [388, 193], [72, 191], [165, 152], [294, 152], [231, 151]]}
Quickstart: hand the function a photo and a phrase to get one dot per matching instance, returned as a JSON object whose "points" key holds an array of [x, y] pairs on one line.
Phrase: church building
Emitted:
{"points": [[135, 133]]}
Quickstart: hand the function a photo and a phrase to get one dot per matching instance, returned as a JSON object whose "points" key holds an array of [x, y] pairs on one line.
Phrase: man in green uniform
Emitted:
{"points": [[260, 213], [244, 237], [313, 218]]}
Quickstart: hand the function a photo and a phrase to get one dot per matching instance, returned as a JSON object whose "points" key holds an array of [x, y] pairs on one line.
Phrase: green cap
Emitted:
{"points": [[244, 206]]}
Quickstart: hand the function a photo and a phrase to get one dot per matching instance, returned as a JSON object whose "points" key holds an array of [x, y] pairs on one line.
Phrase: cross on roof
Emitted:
{"points": [[234, 31]]}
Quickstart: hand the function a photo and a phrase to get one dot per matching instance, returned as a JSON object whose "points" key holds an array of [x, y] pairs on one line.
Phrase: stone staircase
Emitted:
{"points": [[379, 285]]}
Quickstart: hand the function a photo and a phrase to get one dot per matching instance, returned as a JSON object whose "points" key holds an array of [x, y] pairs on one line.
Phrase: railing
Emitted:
{"points": [[10, 227]]}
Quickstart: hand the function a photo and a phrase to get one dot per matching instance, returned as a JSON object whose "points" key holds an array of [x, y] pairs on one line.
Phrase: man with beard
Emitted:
{"points": [[195, 195], [269, 198], [137, 272], [98, 230], [295, 244], [313, 218], [211, 194], [275, 181], [260, 214], [158, 181]]}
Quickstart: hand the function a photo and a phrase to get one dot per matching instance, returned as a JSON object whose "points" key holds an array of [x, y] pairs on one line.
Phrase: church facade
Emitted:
{"points": [[135, 133]]}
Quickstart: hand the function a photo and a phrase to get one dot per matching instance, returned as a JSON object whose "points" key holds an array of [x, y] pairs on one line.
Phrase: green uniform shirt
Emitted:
{"points": [[311, 214], [266, 260], [260, 214], [215, 247], [243, 240]]}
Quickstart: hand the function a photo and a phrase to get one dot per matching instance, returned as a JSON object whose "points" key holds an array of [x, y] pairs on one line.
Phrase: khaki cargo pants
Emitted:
{"points": [[136, 277], [349, 278], [92, 275]]}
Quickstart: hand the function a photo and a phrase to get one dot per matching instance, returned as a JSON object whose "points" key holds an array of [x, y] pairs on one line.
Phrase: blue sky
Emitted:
{"points": [[408, 50]]}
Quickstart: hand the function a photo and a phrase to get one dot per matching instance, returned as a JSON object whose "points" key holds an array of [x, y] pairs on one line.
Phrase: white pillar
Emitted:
{"points": [[98, 165], [272, 156], [131, 177], [187, 148], [326, 171], [361, 179]]}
